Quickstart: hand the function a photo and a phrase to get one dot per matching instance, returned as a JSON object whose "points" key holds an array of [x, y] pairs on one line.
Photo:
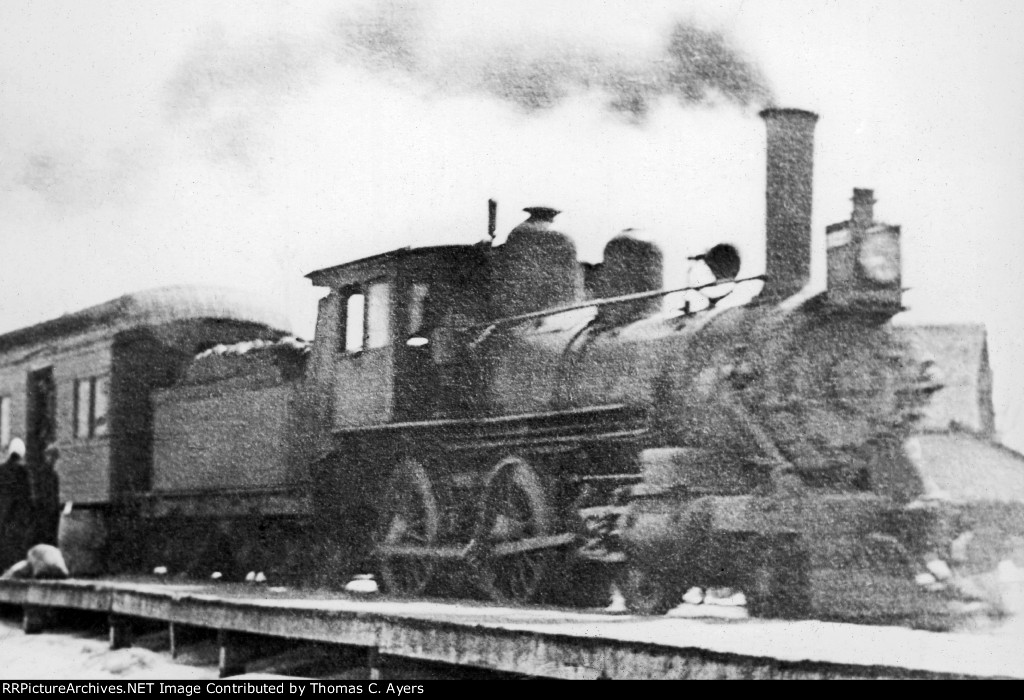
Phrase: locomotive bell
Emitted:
{"points": [[864, 271], [723, 260]]}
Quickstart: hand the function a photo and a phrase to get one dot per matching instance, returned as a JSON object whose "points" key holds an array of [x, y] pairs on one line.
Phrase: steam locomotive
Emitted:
{"points": [[507, 418]]}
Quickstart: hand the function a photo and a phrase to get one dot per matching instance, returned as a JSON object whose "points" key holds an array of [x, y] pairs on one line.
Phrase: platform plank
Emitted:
{"points": [[545, 642]]}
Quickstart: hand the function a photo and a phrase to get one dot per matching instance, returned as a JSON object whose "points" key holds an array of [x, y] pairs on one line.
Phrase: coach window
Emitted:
{"points": [[5, 421], [90, 410], [82, 402], [100, 390]]}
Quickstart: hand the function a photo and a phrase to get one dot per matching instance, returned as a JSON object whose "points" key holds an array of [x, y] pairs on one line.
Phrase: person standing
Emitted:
{"points": [[46, 497], [15, 506]]}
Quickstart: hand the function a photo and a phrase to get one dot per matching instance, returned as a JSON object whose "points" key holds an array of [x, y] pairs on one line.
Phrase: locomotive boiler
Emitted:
{"points": [[507, 419]]}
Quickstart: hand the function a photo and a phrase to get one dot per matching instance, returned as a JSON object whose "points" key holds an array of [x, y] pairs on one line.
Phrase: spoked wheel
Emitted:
{"points": [[515, 509], [410, 519]]}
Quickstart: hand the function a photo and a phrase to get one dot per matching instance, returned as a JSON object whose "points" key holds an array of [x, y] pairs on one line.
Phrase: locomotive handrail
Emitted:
{"points": [[488, 326]]}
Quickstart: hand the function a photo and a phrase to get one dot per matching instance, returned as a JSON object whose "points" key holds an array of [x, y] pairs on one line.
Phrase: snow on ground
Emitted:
{"points": [[71, 655]]}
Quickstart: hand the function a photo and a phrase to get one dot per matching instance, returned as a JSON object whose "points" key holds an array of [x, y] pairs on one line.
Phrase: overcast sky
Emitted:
{"points": [[248, 143]]}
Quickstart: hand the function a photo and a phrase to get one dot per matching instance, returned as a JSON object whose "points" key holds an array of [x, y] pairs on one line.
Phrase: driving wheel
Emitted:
{"points": [[410, 519], [515, 509]]}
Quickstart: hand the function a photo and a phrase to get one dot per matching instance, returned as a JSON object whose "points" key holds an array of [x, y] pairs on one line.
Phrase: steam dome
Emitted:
{"points": [[630, 266], [536, 268]]}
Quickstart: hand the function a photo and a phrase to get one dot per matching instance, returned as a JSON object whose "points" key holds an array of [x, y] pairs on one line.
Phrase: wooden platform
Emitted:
{"points": [[535, 642]]}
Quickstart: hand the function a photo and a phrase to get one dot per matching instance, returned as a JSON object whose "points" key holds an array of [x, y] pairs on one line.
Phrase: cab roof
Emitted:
{"points": [[378, 265]]}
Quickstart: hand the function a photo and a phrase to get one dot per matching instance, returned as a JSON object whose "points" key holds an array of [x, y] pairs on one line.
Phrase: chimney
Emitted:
{"points": [[863, 208], [790, 136]]}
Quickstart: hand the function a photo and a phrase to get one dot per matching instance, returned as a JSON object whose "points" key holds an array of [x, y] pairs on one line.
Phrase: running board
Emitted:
{"points": [[565, 427]]}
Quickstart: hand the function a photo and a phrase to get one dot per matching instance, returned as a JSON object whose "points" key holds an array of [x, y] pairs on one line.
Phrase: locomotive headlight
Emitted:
{"points": [[879, 257]]}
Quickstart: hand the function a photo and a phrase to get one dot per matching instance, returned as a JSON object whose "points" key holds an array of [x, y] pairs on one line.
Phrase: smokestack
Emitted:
{"points": [[790, 137]]}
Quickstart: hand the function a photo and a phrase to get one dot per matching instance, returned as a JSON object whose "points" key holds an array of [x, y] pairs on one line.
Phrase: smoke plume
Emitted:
{"points": [[402, 44], [693, 65]]}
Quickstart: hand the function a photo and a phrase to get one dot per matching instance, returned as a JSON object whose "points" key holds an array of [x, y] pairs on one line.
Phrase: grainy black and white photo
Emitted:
{"points": [[362, 344]]}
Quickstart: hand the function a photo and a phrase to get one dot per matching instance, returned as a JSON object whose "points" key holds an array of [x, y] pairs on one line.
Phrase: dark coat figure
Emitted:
{"points": [[15, 506], [46, 498]]}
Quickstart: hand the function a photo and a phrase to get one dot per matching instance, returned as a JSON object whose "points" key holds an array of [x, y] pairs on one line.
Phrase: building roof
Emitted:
{"points": [[970, 468], [960, 354], [151, 307]]}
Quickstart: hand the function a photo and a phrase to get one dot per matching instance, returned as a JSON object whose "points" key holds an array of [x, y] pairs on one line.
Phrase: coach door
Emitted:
{"points": [[42, 413], [364, 388]]}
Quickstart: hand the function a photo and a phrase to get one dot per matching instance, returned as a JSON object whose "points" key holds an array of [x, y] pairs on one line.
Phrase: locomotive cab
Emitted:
{"points": [[387, 332]]}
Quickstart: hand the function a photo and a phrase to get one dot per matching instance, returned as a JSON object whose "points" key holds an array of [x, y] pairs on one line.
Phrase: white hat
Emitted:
{"points": [[16, 446]]}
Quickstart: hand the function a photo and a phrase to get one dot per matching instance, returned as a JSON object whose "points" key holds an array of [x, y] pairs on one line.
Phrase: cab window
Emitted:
{"points": [[354, 317], [417, 306], [366, 317], [378, 315]]}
